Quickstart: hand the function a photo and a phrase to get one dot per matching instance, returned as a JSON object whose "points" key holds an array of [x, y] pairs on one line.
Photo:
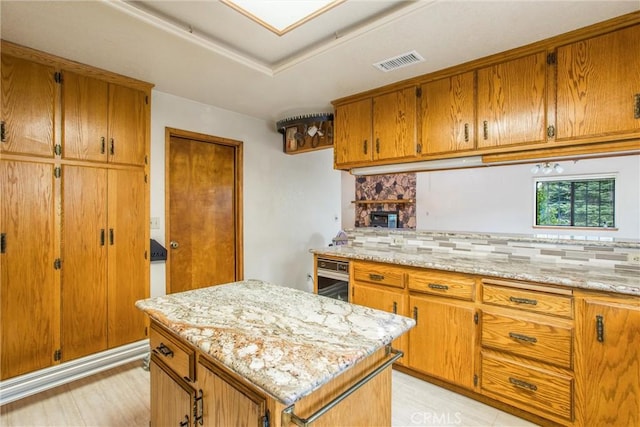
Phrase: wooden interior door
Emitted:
{"points": [[127, 246], [29, 295], [84, 253], [203, 212]]}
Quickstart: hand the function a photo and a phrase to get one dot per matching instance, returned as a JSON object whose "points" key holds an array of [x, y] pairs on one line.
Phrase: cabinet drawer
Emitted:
{"points": [[382, 274], [176, 355], [534, 301], [446, 284], [527, 386], [543, 340]]}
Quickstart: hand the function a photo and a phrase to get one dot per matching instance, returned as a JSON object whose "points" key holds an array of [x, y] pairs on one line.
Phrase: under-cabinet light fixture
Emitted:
{"points": [[546, 168], [454, 163]]}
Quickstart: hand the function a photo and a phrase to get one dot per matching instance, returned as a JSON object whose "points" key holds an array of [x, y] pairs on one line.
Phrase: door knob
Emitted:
{"points": [[174, 244]]}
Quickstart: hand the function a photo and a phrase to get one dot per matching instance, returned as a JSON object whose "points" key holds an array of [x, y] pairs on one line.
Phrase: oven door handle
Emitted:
{"points": [[333, 275]]}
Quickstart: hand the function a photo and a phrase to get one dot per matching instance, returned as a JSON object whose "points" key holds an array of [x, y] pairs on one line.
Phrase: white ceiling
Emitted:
{"points": [[208, 52]]}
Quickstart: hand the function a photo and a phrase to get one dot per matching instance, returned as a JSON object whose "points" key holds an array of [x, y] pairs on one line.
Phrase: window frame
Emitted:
{"points": [[573, 178]]}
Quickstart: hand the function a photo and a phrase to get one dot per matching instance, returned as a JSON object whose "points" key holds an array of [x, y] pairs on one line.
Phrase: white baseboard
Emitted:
{"points": [[44, 379]]}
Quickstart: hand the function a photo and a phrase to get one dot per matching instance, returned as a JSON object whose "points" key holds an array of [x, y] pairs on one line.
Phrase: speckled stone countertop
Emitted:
{"points": [[285, 341], [575, 276]]}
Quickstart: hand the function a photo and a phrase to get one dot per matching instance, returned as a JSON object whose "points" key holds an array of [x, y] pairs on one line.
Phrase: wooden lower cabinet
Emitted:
{"points": [[176, 395], [442, 344], [385, 299], [29, 285], [608, 360]]}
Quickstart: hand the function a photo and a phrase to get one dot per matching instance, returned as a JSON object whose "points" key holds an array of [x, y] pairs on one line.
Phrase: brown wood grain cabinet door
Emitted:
{"points": [[511, 102], [442, 343], [384, 299], [353, 132], [202, 206], [127, 125], [598, 82], [29, 289], [84, 117], [448, 114], [28, 102], [172, 399], [127, 246], [394, 124], [84, 253], [608, 370]]}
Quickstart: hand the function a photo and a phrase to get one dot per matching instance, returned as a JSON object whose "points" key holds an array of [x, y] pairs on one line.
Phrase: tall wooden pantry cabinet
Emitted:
{"points": [[74, 148]]}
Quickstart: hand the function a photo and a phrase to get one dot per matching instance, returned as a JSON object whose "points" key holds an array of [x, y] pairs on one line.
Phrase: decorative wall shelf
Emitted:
{"points": [[306, 133]]}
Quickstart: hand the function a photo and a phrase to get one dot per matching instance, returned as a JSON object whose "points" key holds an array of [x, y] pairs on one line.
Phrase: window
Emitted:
{"points": [[576, 202]]}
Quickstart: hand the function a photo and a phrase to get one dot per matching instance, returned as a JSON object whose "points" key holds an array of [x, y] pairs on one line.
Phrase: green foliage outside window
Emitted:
{"points": [[576, 203]]}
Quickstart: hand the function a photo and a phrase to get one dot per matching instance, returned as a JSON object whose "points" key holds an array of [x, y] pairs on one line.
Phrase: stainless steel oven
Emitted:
{"points": [[333, 278]]}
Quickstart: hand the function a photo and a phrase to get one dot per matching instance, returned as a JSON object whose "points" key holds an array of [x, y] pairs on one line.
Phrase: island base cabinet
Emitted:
{"points": [[176, 395], [608, 362]]}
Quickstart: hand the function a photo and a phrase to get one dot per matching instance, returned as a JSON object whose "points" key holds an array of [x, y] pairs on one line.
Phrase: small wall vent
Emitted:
{"points": [[399, 61]]}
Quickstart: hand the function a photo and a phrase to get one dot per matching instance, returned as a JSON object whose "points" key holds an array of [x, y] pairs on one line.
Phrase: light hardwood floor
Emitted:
{"points": [[120, 397]]}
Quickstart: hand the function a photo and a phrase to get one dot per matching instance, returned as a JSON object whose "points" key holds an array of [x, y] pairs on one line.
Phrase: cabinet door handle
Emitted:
{"points": [[102, 237], [521, 337], [111, 236], [103, 145], [198, 415], [3, 132], [466, 132], [376, 277], [395, 307], [439, 287], [113, 147], [636, 108], [523, 301], [185, 423], [377, 145], [364, 146], [523, 384], [485, 129], [600, 328], [164, 350], [415, 314]]}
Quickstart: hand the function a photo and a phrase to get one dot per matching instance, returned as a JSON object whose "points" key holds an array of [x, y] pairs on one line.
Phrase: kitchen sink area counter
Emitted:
{"points": [[590, 264], [279, 343]]}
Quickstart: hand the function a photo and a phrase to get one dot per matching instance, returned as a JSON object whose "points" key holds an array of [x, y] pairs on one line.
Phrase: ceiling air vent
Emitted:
{"points": [[399, 61]]}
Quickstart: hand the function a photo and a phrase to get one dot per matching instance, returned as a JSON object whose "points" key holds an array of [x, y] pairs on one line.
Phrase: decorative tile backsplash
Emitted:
{"points": [[568, 250], [387, 187]]}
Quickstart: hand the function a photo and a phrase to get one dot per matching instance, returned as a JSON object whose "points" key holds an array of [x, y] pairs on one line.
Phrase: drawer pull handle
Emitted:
{"points": [[520, 337], [376, 277], [523, 301], [439, 287], [164, 350], [523, 384]]}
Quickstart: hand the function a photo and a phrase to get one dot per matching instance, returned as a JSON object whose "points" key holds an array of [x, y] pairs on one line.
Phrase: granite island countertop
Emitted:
{"points": [[285, 341], [487, 265]]}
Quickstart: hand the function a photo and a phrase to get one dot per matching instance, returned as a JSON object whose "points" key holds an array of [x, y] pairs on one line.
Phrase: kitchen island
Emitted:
{"points": [[254, 353]]}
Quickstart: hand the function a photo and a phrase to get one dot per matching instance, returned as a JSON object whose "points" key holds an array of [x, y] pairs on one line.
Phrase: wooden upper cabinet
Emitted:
{"points": [[598, 87], [395, 124], [28, 103], [448, 114], [84, 117], [127, 125], [353, 132], [512, 102], [102, 121]]}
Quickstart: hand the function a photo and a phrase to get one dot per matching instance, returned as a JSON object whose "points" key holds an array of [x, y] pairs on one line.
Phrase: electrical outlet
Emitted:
{"points": [[155, 223], [633, 257], [398, 240]]}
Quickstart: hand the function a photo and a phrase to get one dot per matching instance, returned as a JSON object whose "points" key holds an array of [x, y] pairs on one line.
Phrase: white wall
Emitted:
{"points": [[500, 198], [290, 202]]}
